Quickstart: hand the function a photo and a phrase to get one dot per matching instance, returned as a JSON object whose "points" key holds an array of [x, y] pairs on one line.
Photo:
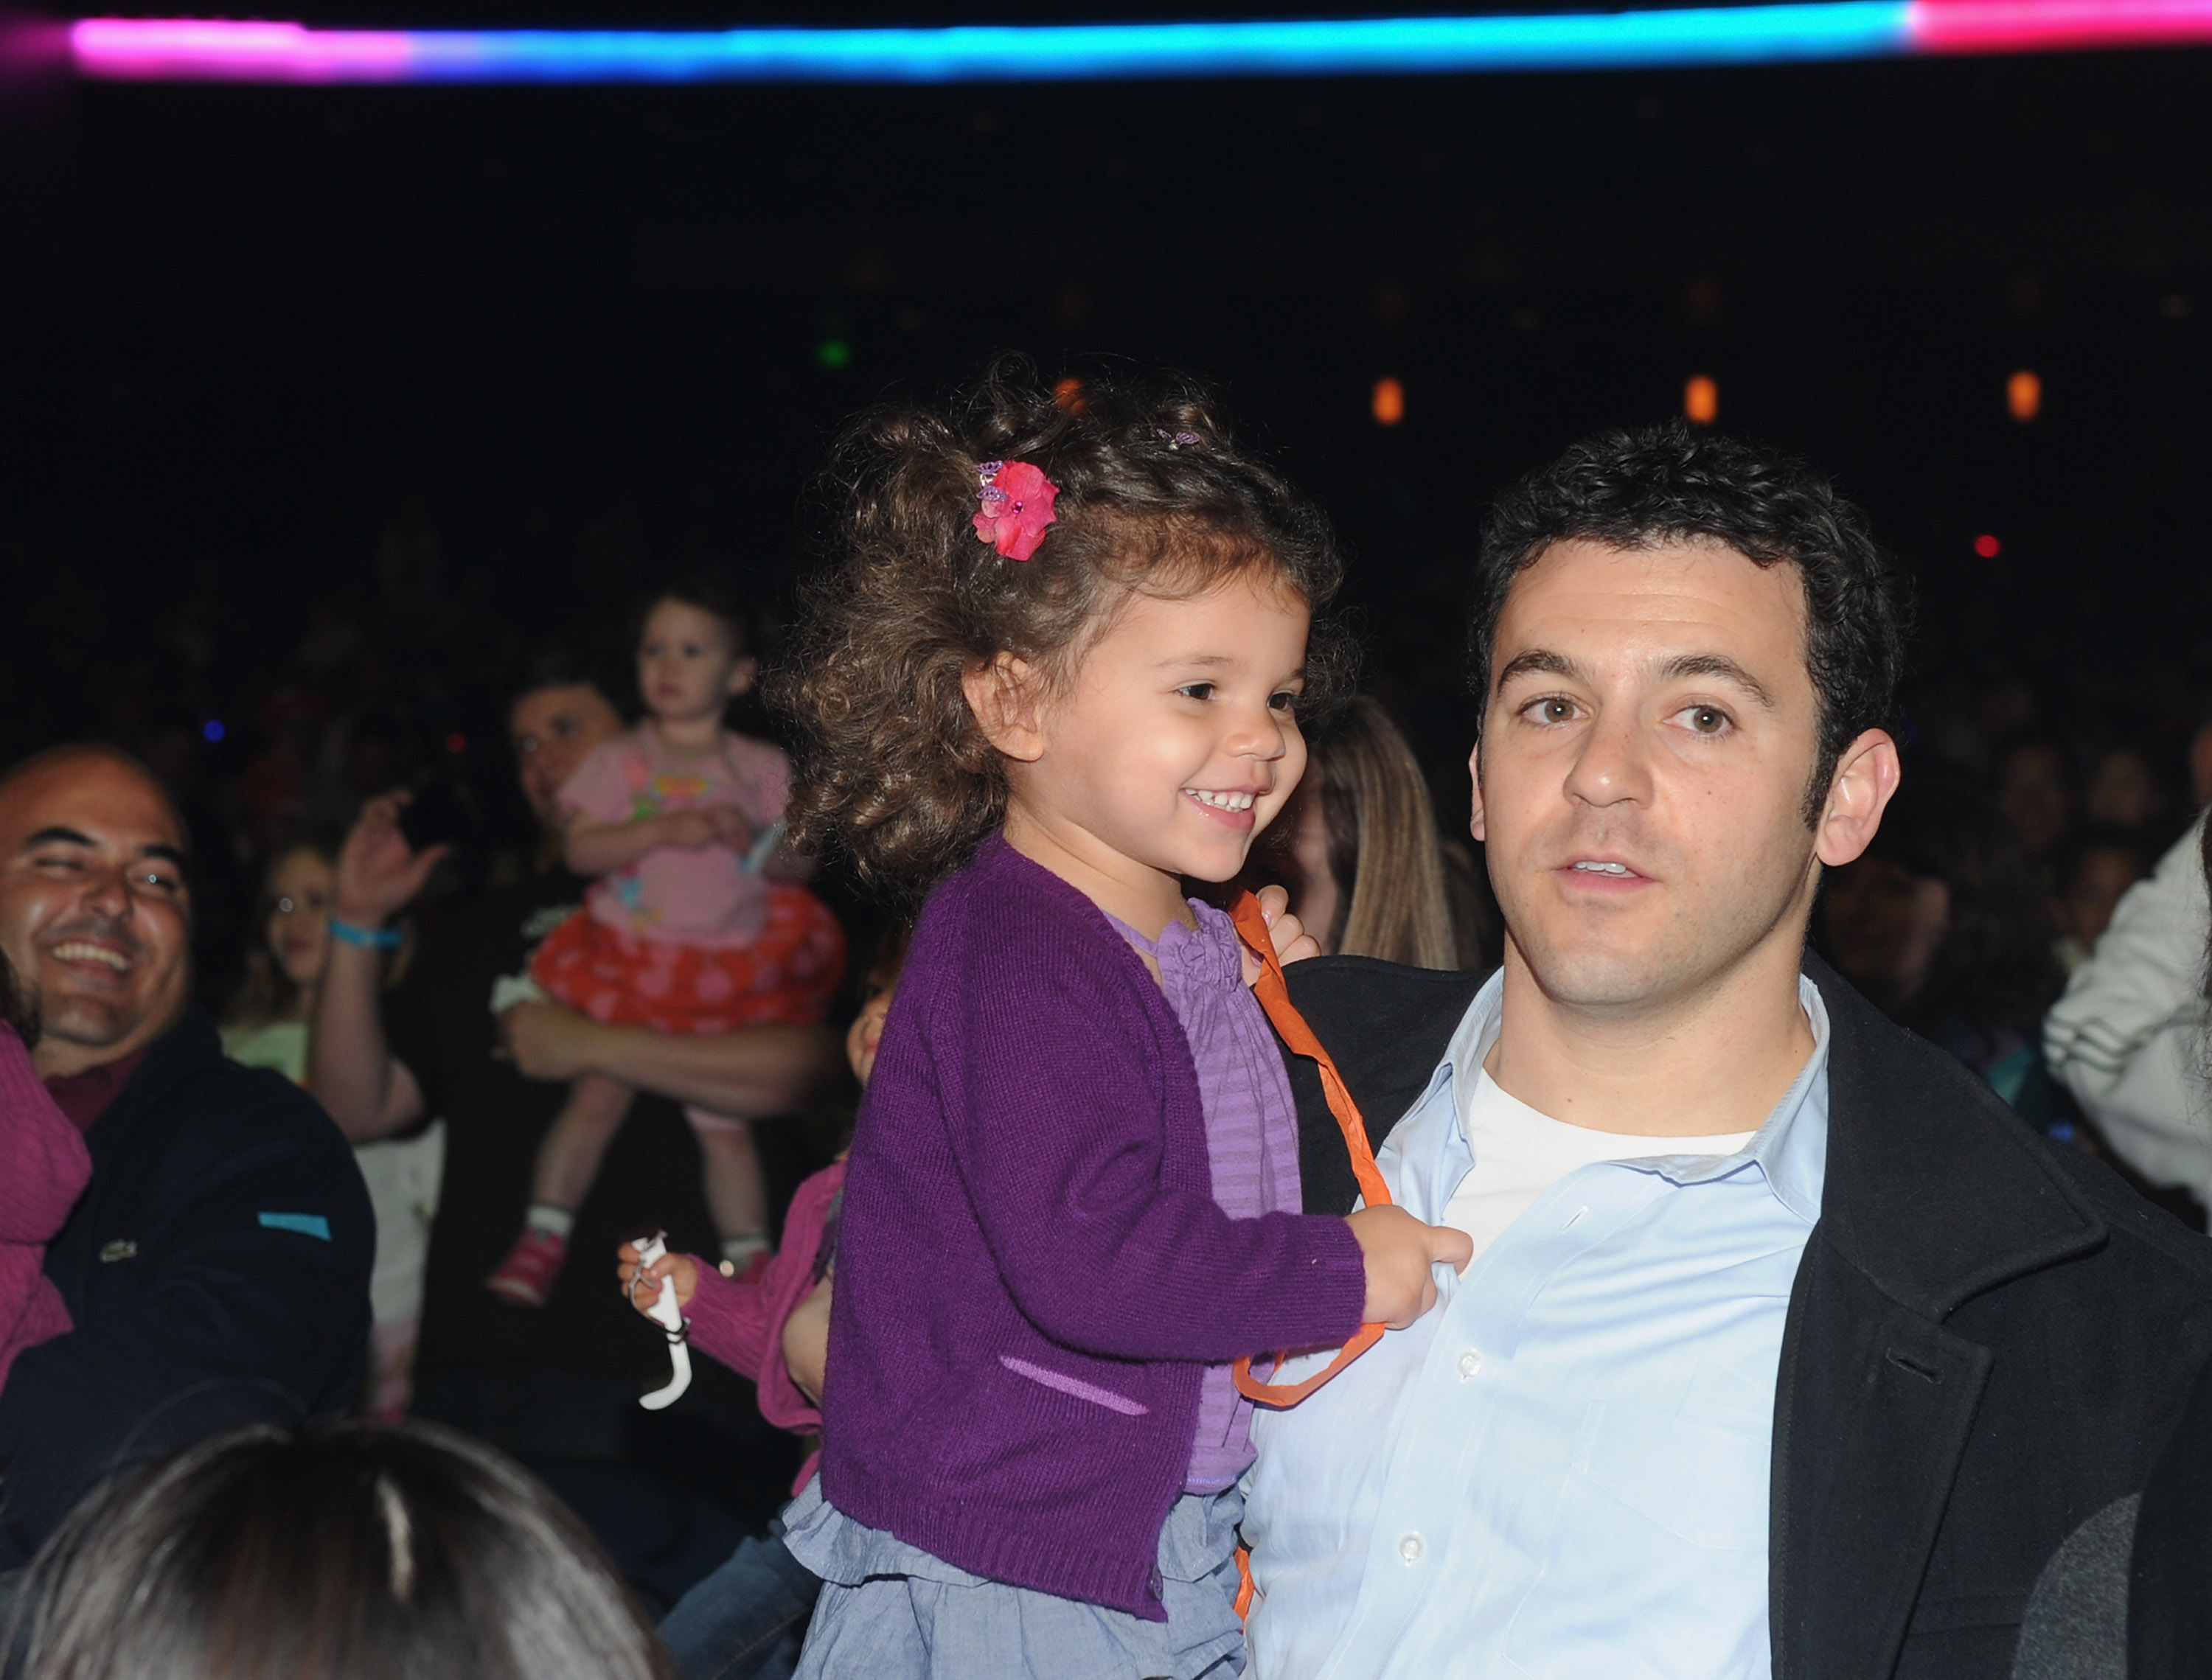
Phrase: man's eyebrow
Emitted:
{"points": [[1720, 665], [169, 854], [57, 835], [1538, 660]]}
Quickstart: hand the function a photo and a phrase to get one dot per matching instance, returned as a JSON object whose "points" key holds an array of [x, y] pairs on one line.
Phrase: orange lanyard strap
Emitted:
{"points": [[1274, 996]]}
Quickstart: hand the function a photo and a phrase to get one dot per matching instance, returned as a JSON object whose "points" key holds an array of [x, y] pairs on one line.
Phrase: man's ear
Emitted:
{"points": [[1474, 772], [743, 675], [1866, 779], [1002, 692]]}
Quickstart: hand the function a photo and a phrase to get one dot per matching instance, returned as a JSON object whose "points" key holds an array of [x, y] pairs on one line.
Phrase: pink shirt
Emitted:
{"points": [[703, 897], [742, 1323], [44, 1166]]}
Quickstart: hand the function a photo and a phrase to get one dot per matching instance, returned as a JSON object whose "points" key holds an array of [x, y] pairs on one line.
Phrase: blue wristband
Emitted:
{"points": [[374, 938]]}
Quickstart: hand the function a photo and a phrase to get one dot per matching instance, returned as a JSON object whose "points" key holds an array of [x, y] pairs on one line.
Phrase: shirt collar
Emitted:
{"points": [[1790, 1148]]}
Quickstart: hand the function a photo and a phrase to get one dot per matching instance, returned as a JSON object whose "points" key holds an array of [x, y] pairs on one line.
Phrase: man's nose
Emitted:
{"points": [[1610, 767], [108, 892]]}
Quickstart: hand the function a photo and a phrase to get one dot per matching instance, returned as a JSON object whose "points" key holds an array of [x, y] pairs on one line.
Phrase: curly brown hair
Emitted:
{"points": [[893, 770]]}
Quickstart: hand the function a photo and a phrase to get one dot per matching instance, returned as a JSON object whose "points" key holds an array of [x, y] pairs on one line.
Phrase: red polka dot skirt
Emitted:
{"points": [[787, 976]]}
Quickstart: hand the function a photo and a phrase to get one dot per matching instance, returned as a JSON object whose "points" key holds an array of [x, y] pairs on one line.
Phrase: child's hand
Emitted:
{"points": [[708, 825], [1284, 930], [680, 1271], [1398, 1250]]}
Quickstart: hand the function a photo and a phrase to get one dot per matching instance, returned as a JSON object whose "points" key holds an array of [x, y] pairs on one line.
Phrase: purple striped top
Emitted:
{"points": [[1251, 1133]]}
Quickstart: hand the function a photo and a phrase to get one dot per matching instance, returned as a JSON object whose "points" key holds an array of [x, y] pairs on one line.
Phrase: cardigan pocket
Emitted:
{"points": [[1081, 1389]]}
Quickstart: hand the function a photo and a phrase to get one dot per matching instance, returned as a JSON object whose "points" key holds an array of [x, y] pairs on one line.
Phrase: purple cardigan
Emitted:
{"points": [[1032, 1270]]}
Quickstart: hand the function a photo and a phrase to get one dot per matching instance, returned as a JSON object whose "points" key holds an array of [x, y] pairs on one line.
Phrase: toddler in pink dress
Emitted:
{"points": [[695, 922]]}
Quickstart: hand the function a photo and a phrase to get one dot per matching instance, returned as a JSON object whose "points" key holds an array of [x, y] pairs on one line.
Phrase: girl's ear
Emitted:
{"points": [[742, 676], [1002, 692]]}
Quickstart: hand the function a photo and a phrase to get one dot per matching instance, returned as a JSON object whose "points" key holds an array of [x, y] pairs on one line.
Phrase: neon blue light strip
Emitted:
{"points": [[151, 49], [190, 50]]}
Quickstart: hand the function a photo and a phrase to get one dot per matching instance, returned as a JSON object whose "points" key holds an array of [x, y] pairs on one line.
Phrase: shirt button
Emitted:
{"points": [[1411, 1549], [1469, 1363]]}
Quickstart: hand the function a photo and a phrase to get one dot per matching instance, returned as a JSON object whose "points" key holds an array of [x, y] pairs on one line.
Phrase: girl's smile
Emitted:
{"points": [[1169, 748]]}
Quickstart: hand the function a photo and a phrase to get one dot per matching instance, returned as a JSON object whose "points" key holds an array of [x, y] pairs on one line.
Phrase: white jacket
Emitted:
{"points": [[2128, 1038]]}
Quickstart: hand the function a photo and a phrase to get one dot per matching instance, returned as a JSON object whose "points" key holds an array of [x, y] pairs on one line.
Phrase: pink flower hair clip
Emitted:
{"points": [[1016, 505]]}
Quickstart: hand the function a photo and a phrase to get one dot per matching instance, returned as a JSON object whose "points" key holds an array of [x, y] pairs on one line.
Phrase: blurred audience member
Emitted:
{"points": [[2200, 761], [268, 1028], [2095, 869], [1370, 874], [44, 1167], [745, 1622], [1943, 924], [2035, 789], [2127, 1037], [217, 1270], [348, 1553], [2125, 790], [560, 1384]]}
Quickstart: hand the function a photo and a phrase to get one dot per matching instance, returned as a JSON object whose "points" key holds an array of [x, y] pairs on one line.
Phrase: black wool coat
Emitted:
{"points": [[216, 1269], [1990, 1341]]}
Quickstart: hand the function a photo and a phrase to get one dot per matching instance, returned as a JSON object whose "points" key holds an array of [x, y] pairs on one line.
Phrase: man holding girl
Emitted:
{"points": [[1786, 1347]]}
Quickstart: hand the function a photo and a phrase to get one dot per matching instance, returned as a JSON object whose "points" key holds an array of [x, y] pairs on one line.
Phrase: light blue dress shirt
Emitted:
{"points": [[1562, 1469]]}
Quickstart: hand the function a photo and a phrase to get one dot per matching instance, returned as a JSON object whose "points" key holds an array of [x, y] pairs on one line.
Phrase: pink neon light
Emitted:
{"points": [[158, 48], [2022, 26]]}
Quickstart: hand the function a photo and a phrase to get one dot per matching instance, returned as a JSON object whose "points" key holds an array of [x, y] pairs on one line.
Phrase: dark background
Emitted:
{"points": [[332, 398]]}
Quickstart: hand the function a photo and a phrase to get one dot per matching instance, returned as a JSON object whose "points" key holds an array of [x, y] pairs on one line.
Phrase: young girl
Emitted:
{"points": [[268, 1028], [44, 1169], [696, 925], [1072, 1192], [742, 1623]]}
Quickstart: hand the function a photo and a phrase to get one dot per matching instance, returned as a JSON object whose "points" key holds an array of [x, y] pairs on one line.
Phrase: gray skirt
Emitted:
{"points": [[891, 1611]]}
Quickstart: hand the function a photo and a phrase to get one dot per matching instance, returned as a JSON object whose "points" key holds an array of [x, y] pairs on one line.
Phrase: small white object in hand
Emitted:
{"points": [[669, 1318]]}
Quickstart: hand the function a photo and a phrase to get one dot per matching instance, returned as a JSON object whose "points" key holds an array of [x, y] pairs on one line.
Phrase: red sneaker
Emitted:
{"points": [[525, 1275]]}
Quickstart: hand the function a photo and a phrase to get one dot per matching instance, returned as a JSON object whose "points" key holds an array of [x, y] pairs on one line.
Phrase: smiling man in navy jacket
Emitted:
{"points": [[217, 1269], [1787, 1347]]}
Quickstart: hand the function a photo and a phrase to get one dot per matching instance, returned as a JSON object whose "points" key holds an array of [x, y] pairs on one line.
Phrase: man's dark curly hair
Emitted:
{"points": [[1667, 483], [1156, 496]]}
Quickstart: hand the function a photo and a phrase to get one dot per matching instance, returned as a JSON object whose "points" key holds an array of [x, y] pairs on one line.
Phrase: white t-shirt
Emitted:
{"points": [[1519, 1154]]}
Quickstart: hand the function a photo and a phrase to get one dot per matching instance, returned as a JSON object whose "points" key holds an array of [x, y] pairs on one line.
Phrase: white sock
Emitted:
{"points": [[549, 1219], [738, 1250]]}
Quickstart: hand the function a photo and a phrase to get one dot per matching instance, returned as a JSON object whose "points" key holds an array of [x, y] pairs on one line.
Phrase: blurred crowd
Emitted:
{"points": [[274, 714]]}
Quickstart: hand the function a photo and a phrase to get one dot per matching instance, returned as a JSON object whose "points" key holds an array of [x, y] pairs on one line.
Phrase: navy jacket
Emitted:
{"points": [[1991, 1337], [216, 1271]]}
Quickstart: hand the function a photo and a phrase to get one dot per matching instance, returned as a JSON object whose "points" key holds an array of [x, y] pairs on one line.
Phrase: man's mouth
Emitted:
{"points": [[1596, 869], [83, 950], [1220, 801]]}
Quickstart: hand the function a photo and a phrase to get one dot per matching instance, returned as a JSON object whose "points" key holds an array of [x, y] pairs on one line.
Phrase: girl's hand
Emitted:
{"points": [[1288, 934], [1399, 1251], [806, 1341], [681, 1271]]}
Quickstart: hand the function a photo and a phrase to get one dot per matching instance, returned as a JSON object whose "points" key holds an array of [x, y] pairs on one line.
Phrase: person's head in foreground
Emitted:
{"points": [[355, 1552], [95, 910], [1686, 648]]}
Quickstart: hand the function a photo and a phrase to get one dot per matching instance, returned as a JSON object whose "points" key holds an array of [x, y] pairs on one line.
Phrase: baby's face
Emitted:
{"points": [[867, 1033], [1178, 739], [688, 665]]}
